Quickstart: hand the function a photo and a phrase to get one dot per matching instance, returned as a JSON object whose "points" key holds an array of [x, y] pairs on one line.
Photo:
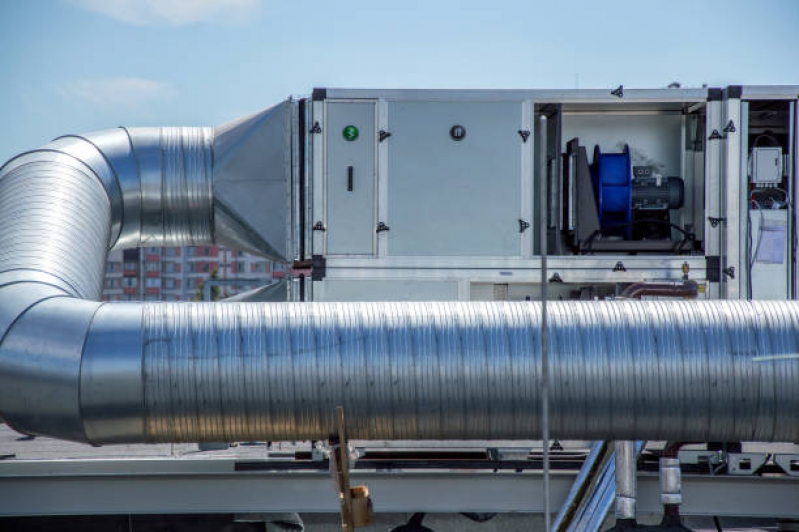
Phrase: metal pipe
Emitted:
{"points": [[544, 244], [626, 477], [78, 369], [671, 481], [686, 290]]}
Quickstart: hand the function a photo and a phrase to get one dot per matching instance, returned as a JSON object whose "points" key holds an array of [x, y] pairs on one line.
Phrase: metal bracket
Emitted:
{"points": [[319, 226], [619, 267], [555, 278], [524, 134], [714, 222], [381, 226], [729, 272], [383, 135], [523, 226], [788, 462], [316, 128], [618, 91], [318, 267], [715, 135], [730, 127], [745, 463]]}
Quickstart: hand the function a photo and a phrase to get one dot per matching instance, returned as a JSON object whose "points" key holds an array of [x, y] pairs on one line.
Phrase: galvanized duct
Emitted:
{"points": [[110, 373], [627, 370]]}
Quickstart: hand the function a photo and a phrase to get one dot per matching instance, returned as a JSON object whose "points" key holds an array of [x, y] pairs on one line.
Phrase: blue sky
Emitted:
{"points": [[79, 65]]}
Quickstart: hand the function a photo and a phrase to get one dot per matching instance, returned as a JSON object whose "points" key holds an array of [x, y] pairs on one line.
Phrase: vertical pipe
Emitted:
{"points": [[625, 480], [542, 227], [670, 485]]}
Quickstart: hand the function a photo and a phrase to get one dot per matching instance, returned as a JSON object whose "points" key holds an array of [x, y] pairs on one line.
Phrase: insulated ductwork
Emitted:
{"points": [[74, 368]]}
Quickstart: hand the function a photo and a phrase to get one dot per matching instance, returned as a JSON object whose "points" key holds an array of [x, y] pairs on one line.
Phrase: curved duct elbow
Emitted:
{"points": [[62, 208]]}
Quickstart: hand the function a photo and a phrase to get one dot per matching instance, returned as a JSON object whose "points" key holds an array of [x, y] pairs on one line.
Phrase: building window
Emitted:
{"points": [[153, 251], [131, 266], [170, 267], [152, 282], [260, 267], [199, 267], [129, 282], [112, 267], [151, 266]]}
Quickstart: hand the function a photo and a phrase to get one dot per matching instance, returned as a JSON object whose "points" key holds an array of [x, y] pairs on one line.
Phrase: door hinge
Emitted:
{"points": [[618, 92], [555, 278], [381, 227], [714, 222], [729, 272], [715, 135], [316, 128], [319, 226], [383, 135], [524, 134], [730, 127], [619, 267], [523, 226]]}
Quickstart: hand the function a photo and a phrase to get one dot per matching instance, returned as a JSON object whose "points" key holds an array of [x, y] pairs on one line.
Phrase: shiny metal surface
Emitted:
{"points": [[61, 208], [175, 170], [626, 477], [246, 371], [654, 370], [55, 218], [252, 182], [670, 481], [111, 392], [40, 368]]}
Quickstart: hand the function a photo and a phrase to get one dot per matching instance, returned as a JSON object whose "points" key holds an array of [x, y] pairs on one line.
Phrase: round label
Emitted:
{"points": [[457, 132], [350, 133]]}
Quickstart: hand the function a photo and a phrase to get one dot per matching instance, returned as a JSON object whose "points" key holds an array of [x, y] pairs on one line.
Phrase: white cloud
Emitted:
{"points": [[174, 12], [113, 92]]}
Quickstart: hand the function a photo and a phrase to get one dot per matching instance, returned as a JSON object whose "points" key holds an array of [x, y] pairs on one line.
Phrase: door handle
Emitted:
{"points": [[349, 178]]}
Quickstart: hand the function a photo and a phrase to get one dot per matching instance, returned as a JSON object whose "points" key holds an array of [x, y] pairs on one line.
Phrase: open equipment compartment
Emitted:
{"points": [[631, 178]]}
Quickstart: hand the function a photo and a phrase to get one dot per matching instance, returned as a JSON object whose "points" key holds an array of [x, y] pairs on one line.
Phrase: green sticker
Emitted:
{"points": [[350, 133]]}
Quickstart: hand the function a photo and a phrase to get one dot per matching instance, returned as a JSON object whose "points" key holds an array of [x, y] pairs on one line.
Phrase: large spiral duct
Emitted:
{"points": [[74, 368]]}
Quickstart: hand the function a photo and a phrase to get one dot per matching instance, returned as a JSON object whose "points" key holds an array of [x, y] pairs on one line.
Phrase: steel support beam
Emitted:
{"points": [[163, 486]]}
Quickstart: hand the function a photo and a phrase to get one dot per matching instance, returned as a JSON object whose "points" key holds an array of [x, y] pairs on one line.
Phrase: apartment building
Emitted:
{"points": [[177, 274]]}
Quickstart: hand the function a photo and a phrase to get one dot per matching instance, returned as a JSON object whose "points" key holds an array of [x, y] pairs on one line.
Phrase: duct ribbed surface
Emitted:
{"points": [[658, 370], [185, 210], [49, 204]]}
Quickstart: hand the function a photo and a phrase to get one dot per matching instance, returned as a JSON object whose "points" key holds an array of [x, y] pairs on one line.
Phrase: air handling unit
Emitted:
{"points": [[411, 222]]}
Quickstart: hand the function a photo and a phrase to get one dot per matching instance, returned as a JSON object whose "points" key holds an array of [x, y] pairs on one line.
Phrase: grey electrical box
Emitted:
{"points": [[767, 165]]}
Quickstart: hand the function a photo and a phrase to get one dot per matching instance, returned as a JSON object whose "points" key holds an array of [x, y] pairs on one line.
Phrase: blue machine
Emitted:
{"points": [[612, 177]]}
